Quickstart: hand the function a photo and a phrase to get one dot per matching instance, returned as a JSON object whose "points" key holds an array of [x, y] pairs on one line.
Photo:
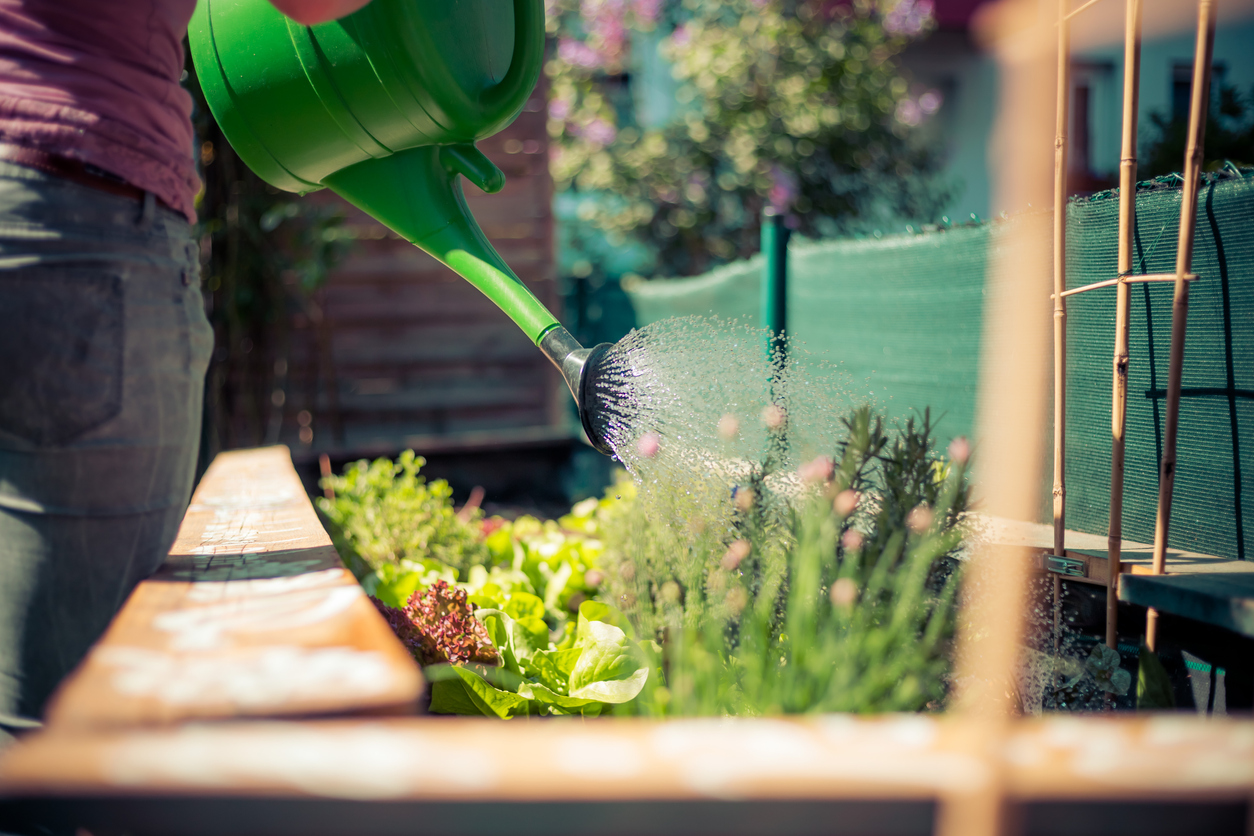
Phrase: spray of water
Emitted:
{"points": [[704, 395], [714, 430], [698, 410]]}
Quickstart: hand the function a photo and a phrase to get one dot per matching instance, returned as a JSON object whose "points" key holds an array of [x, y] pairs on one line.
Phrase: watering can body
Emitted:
{"points": [[384, 107], [300, 103]]}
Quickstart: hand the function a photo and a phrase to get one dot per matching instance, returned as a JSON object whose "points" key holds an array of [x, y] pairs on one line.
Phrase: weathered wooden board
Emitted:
{"points": [[252, 614], [833, 774], [1091, 549], [1224, 599]]}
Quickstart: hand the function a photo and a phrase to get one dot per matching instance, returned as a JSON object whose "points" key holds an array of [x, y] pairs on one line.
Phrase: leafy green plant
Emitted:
{"points": [[536, 571], [598, 666], [1229, 136], [385, 517], [833, 591]]}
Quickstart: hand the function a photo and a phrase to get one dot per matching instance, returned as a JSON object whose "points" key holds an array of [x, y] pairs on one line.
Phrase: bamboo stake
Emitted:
{"points": [[1060, 305], [1142, 279], [1080, 9], [1198, 106], [1123, 303]]}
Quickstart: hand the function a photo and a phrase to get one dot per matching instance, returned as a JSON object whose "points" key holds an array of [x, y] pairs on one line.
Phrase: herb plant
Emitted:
{"points": [[385, 514], [833, 595], [828, 589]]}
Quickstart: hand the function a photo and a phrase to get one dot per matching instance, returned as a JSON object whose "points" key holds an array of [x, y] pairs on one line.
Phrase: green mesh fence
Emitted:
{"points": [[1213, 510], [900, 314], [904, 314]]}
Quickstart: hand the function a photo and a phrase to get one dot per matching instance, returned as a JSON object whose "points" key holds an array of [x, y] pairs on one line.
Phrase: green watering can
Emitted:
{"points": [[383, 107]]}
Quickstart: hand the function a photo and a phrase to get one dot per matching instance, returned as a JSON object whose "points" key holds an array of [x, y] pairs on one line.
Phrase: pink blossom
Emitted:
{"points": [[909, 112], [736, 552], [648, 445], [599, 132], [816, 470], [681, 36], [603, 21], [784, 191], [844, 592], [845, 503], [960, 450], [578, 54], [743, 499], [647, 10], [559, 109], [919, 520], [851, 540], [909, 17], [930, 102], [773, 416]]}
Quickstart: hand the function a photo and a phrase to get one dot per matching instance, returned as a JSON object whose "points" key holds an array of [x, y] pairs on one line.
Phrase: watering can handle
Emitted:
{"points": [[464, 111], [524, 65]]}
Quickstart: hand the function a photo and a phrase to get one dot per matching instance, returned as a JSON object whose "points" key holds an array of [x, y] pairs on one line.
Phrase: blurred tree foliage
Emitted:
{"points": [[1229, 136], [263, 254], [795, 105]]}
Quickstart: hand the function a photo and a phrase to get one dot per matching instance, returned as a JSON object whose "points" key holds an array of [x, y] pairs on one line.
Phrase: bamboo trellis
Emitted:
{"points": [[1199, 103], [1059, 562]]}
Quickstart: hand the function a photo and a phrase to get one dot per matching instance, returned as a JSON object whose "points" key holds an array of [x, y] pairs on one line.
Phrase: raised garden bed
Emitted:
{"points": [[117, 757]]}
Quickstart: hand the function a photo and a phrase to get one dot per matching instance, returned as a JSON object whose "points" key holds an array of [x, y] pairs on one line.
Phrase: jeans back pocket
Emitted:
{"points": [[61, 351]]}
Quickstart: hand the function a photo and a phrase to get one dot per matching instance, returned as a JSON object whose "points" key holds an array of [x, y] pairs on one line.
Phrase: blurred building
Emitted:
{"points": [[951, 62]]}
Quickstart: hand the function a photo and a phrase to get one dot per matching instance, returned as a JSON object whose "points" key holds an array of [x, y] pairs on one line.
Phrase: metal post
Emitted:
{"points": [[1123, 304], [1198, 106], [774, 279]]}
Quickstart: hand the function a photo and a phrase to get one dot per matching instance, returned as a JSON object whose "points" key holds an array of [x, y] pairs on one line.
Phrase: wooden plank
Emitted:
{"points": [[399, 345], [614, 776], [1090, 549], [1224, 599], [251, 615], [447, 395]]}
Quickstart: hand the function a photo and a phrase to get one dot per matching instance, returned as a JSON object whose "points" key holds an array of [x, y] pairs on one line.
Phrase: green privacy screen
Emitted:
{"points": [[903, 315], [1213, 510]]}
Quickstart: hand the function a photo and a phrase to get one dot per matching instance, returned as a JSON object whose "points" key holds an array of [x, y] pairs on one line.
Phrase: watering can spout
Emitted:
{"points": [[416, 193], [583, 369]]}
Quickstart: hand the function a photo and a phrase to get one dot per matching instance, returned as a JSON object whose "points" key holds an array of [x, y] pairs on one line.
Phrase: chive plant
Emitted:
{"points": [[836, 595]]}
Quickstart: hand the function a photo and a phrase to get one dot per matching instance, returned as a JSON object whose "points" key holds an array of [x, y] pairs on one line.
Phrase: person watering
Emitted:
{"points": [[104, 342]]}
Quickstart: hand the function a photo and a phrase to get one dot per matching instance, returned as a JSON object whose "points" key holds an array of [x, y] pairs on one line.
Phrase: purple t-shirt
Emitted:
{"points": [[98, 81]]}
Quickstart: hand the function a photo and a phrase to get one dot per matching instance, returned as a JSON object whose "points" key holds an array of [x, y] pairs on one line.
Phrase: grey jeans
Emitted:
{"points": [[103, 349]]}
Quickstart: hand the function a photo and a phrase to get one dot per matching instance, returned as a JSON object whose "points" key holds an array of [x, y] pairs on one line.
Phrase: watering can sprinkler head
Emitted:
{"points": [[581, 368]]}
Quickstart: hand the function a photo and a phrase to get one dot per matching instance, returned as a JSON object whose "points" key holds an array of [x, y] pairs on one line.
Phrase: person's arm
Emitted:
{"points": [[309, 12]]}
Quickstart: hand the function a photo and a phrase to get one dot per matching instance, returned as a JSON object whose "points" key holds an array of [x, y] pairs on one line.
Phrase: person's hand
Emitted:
{"points": [[309, 12]]}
